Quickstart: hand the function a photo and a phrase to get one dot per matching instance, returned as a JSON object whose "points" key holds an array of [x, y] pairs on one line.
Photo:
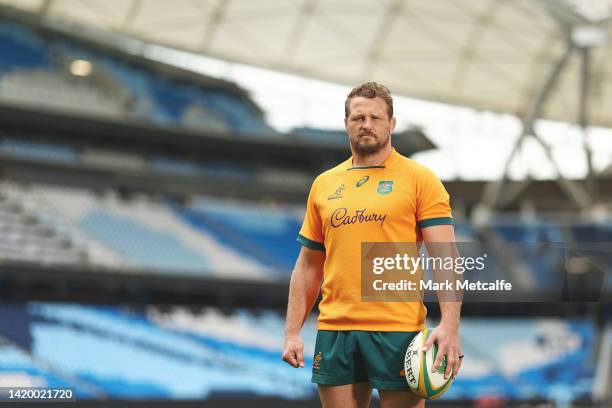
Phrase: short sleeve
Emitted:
{"points": [[311, 234], [433, 202]]}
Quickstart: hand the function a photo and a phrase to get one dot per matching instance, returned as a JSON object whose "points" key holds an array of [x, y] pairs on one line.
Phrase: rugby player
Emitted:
{"points": [[377, 195]]}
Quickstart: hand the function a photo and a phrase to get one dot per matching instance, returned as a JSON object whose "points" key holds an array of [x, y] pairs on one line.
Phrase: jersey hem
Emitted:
{"points": [[372, 328]]}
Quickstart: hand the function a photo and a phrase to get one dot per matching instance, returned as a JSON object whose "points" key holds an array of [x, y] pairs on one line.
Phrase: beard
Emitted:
{"points": [[368, 146]]}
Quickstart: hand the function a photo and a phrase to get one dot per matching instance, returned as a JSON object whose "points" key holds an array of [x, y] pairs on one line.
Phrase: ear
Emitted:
{"points": [[393, 123], [346, 124]]}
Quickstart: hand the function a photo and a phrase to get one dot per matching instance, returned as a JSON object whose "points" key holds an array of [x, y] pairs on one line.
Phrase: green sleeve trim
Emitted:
{"points": [[436, 221], [317, 246]]}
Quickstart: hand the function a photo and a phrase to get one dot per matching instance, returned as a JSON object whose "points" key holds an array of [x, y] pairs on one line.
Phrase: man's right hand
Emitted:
{"points": [[293, 352]]}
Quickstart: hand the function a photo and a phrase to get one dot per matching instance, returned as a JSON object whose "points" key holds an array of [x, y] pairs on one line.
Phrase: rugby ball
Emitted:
{"points": [[417, 369]]}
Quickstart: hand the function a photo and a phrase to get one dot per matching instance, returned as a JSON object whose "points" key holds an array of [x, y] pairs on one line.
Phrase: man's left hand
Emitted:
{"points": [[449, 345]]}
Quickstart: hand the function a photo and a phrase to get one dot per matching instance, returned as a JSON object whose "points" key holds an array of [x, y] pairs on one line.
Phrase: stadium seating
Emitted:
{"points": [[29, 75], [169, 101], [120, 89], [125, 354], [525, 359], [137, 234], [27, 149], [542, 247], [24, 148], [18, 368], [175, 167], [215, 237], [20, 49], [266, 234], [60, 90], [25, 235], [177, 353]]}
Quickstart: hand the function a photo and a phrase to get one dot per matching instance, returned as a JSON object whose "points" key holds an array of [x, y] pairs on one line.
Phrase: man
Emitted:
{"points": [[386, 198]]}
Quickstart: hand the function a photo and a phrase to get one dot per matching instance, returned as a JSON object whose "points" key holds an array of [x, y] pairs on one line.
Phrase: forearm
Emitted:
{"points": [[450, 296], [450, 314], [303, 293]]}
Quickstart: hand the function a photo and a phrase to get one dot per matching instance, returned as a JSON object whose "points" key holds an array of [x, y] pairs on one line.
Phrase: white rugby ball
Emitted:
{"points": [[417, 369]]}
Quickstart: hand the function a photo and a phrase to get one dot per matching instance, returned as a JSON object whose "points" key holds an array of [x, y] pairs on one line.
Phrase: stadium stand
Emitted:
{"points": [[28, 149], [228, 238], [19, 369], [21, 49], [544, 248], [124, 354], [266, 234], [37, 72], [49, 89], [141, 233], [177, 353]]}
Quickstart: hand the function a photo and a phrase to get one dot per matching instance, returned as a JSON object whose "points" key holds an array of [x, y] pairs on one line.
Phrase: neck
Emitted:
{"points": [[375, 159]]}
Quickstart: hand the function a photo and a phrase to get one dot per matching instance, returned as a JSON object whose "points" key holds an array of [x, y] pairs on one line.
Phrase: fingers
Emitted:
{"points": [[457, 366], [441, 351], [290, 357], [294, 354], [432, 338], [451, 361], [300, 356], [438, 361]]}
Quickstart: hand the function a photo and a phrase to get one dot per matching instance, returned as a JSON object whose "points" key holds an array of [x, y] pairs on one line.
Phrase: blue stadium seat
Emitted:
{"points": [[144, 246], [21, 49], [267, 235]]}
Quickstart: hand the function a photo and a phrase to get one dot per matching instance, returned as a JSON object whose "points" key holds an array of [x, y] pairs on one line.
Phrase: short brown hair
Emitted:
{"points": [[370, 90]]}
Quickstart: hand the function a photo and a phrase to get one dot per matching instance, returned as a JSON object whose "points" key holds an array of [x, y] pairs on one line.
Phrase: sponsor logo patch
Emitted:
{"points": [[341, 216]]}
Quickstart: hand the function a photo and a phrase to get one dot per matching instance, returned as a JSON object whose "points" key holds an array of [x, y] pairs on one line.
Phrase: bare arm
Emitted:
{"points": [[446, 335], [303, 291]]}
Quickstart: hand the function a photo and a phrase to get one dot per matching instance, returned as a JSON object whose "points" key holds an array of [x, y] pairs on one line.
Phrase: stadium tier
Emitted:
{"points": [[145, 234], [216, 237], [19, 367], [175, 353], [37, 151], [37, 71], [265, 234], [544, 249], [21, 49], [120, 353]]}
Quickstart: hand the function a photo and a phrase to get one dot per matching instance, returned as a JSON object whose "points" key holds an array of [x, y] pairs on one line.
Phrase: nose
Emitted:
{"points": [[366, 124]]}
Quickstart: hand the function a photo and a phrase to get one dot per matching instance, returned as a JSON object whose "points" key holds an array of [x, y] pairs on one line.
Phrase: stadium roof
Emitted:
{"points": [[487, 54]]}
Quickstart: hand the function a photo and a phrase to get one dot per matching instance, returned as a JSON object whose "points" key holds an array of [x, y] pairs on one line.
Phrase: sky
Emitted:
{"points": [[472, 145]]}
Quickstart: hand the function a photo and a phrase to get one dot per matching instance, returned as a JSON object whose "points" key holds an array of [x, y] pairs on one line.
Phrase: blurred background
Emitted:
{"points": [[155, 159]]}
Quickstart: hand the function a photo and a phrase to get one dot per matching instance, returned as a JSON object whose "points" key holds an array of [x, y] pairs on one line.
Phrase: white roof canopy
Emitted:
{"points": [[486, 54]]}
